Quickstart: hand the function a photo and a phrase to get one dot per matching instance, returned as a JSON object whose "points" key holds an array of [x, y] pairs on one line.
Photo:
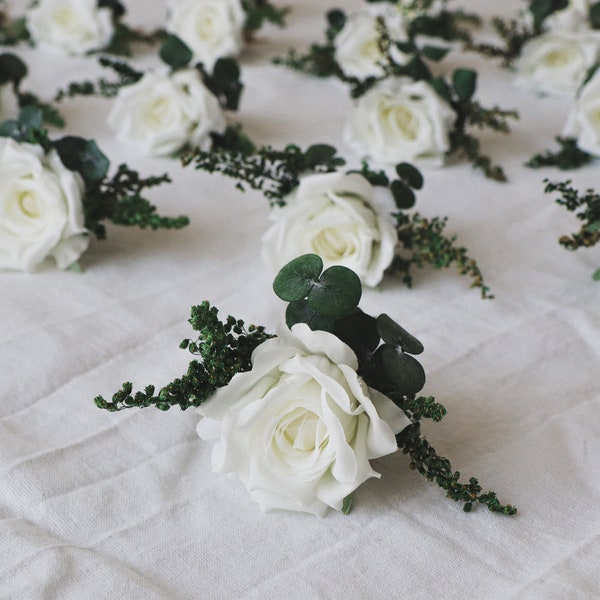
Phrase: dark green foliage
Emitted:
{"points": [[569, 156], [12, 31], [174, 52], [223, 348], [225, 82], [259, 12], [586, 208]]}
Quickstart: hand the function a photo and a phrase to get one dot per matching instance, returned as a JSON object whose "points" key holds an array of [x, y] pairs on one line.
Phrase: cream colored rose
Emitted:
{"points": [[338, 217], [357, 49], [583, 122], [161, 113], [300, 428], [212, 29], [401, 120], [556, 63], [41, 212], [9, 104], [73, 26]]}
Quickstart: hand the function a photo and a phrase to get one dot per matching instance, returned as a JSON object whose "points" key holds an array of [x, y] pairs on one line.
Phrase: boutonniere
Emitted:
{"points": [[356, 218], [579, 143], [56, 193], [403, 112], [298, 416], [75, 27], [551, 45], [160, 112], [586, 208], [214, 29]]}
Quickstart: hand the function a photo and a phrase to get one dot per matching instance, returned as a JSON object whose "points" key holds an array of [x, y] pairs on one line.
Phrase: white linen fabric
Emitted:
{"points": [[99, 505]]}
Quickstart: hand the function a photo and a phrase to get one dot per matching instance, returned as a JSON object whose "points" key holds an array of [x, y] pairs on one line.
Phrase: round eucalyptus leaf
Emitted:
{"points": [[411, 174], [395, 335], [594, 15], [359, 331], [318, 154], [404, 197], [434, 53], [402, 370], [336, 19], [31, 117], [84, 156], [336, 293], [175, 52], [464, 82], [301, 312], [296, 279], [12, 68]]}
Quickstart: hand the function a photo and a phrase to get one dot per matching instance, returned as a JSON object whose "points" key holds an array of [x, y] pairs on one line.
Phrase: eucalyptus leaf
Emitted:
{"points": [[403, 371], [418, 70], [434, 53], [336, 293], [336, 19], [464, 82], [395, 335], [594, 15], [441, 87], [84, 156], [319, 154], [300, 312], [296, 279], [31, 117], [359, 331], [404, 197], [175, 52], [594, 226], [12, 68], [411, 174]]}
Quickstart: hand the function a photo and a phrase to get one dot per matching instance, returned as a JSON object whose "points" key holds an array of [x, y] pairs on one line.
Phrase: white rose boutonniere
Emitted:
{"points": [[56, 193], [73, 26], [583, 122], [334, 215], [299, 416], [300, 428], [41, 213], [556, 63], [357, 48], [401, 120], [212, 29], [161, 113]]}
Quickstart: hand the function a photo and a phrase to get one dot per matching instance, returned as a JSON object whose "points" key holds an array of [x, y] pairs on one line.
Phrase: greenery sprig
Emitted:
{"points": [[277, 173], [325, 300], [586, 208], [568, 157], [12, 71], [117, 198], [458, 91], [259, 12]]}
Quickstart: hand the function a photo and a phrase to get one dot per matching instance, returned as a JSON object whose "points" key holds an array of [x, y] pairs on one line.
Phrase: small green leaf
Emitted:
{"points": [[402, 370], [359, 331], [175, 52], [441, 87], [296, 279], [301, 312], [10, 128], [594, 15], [596, 275], [406, 47], [31, 117], [84, 156], [434, 53], [336, 19], [418, 70], [411, 174], [594, 226], [319, 154], [12, 68], [403, 195], [347, 505], [464, 82], [395, 335], [336, 293]]}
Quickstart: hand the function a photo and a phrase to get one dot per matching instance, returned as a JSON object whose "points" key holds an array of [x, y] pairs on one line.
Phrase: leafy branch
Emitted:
{"points": [[569, 156], [259, 12], [224, 349]]}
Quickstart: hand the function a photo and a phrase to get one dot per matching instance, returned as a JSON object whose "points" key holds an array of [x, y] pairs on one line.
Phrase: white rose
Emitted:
{"points": [[556, 63], [357, 43], [9, 103], [73, 26], [300, 428], [212, 29], [583, 122], [572, 18], [401, 120], [334, 215], [161, 113], [41, 213]]}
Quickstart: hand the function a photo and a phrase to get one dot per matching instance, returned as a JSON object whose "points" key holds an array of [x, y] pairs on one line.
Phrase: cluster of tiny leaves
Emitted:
{"points": [[126, 75], [568, 157], [12, 31], [586, 208], [384, 350], [274, 172], [424, 242], [224, 348], [259, 12]]}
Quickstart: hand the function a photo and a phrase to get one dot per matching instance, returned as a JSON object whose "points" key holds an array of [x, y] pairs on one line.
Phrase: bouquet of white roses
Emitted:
{"points": [[298, 416], [55, 193]]}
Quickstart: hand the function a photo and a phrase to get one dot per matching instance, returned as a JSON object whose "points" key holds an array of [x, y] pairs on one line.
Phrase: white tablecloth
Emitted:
{"points": [[99, 505]]}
